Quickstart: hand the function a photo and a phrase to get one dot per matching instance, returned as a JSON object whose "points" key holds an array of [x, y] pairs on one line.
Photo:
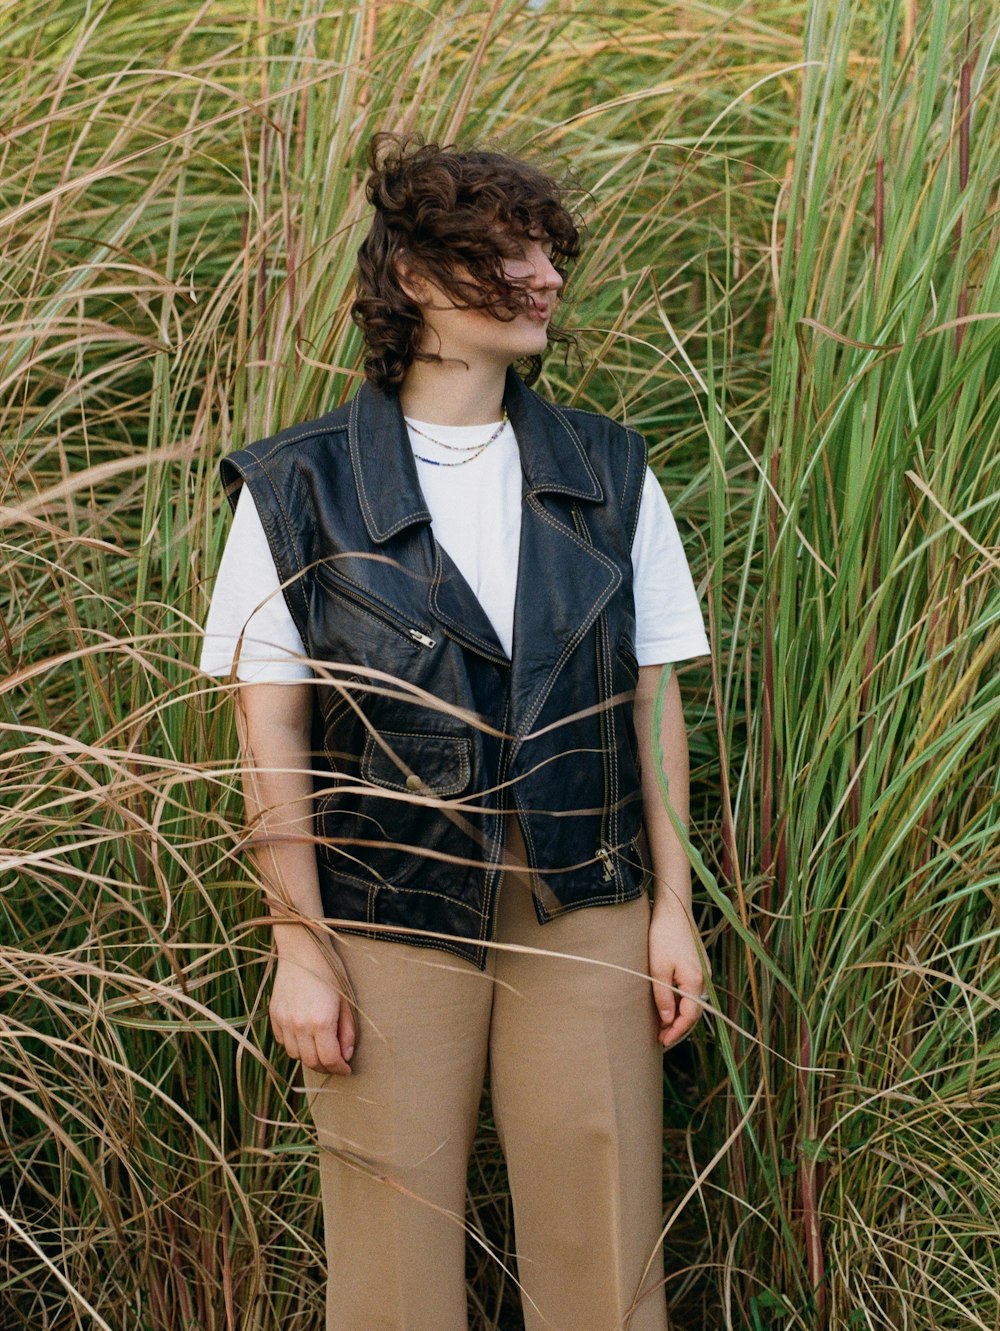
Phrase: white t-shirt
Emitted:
{"points": [[476, 516]]}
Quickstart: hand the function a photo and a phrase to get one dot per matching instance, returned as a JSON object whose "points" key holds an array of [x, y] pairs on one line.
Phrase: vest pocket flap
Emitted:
{"points": [[440, 764]]}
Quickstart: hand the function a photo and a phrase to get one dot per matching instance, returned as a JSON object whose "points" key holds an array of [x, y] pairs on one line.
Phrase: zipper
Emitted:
{"points": [[609, 733], [609, 747], [605, 858], [344, 588], [601, 854]]}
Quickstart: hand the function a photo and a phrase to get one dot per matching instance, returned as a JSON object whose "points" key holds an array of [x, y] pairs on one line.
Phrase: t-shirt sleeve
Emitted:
{"points": [[248, 604], [668, 619]]}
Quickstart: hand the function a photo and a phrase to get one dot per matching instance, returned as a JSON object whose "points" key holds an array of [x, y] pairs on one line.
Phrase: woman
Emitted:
{"points": [[446, 712]]}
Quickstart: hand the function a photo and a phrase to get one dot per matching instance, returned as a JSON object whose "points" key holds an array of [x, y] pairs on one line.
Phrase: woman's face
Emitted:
{"points": [[476, 335]]}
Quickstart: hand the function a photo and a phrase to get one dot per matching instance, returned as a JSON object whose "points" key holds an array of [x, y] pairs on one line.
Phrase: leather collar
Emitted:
{"points": [[553, 459]]}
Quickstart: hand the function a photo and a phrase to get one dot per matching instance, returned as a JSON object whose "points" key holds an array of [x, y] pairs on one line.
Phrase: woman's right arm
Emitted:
{"points": [[310, 1009]]}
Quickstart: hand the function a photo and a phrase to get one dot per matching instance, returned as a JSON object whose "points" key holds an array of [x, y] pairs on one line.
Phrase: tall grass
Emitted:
{"points": [[791, 286], [864, 843]]}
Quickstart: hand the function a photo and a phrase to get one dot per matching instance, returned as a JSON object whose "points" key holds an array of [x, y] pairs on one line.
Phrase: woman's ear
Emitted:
{"points": [[412, 284]]}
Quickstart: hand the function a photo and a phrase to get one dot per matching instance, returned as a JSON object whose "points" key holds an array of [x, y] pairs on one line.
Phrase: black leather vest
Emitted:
{"points": [[426, 733]]}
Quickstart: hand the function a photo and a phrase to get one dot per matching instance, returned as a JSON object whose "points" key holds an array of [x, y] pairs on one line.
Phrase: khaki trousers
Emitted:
{"points": [[576, 1084]]}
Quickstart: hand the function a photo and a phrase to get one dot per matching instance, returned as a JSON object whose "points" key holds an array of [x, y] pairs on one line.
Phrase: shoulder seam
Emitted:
{"points": [[641, 449], [305, 433], [598, 416]]}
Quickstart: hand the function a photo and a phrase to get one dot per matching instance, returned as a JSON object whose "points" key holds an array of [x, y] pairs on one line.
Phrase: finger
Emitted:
{"points": [[689, 1012], [693, 996], [307, 1052], [666, 1004], [346, 1030], [691, 983], [330, 1053], [676, 1032]]}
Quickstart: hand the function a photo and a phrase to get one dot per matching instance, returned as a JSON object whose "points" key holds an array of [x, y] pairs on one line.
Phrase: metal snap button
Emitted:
{"points": [[413, 782]]}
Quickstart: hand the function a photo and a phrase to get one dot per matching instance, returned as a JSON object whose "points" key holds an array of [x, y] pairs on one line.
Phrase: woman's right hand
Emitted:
{"points": [[310, 1008]]}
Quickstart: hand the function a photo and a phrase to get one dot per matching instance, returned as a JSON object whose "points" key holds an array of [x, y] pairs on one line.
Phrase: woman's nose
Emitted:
{"points": [[544, 273]]}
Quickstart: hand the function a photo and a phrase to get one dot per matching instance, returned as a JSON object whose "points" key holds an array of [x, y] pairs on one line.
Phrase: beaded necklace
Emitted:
{"points": [[472, 449]]}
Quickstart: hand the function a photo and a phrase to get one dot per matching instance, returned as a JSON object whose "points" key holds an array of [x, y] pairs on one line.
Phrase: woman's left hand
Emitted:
{"points": [[676, 963]]}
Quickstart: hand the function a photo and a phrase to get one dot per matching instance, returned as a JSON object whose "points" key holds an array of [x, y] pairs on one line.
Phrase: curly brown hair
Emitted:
{"points": [[441, 208]]}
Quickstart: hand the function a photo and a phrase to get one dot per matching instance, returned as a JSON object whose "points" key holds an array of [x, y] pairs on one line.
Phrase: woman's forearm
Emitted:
{"points": [[274, 722], [308, 1011], [671, 868], [678, 966]]}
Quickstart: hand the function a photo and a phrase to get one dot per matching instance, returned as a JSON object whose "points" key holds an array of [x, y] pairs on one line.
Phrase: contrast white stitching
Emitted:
{"points": [[554, 411], [438, 569], [638, 500], [577, 637], [460, 745], [375, 604], [369, 515]]}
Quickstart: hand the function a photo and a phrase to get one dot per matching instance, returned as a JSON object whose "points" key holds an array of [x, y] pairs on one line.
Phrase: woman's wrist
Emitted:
{"points": [[672, 902], [298, 941]]}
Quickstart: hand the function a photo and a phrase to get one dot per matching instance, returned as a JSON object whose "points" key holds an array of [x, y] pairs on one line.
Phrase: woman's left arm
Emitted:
{"points": [[676, 955]]}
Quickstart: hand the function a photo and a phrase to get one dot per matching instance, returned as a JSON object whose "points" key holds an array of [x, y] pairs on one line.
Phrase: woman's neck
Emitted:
{"points": [[449, 394]]}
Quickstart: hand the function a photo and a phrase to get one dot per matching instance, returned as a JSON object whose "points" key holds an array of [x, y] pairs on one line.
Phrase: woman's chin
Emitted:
{"points": [[535, 338]]}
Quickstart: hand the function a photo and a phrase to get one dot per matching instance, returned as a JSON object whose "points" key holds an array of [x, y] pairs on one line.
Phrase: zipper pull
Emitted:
{"points": [[605, 858], [420, 637]]}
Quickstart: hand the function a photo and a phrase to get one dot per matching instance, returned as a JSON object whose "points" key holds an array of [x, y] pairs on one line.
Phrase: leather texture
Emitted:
{"points": [[426, 733]]}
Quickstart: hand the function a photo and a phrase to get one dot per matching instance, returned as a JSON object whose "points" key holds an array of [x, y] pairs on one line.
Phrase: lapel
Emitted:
{"points": [[563, 581], [389, 493]]}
